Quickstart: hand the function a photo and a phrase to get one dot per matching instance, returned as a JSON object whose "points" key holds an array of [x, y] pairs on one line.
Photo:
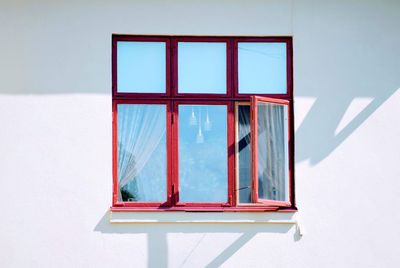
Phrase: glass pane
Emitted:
{"points": [[203, 159], [142, 162], [201, 67], [273, 161], [262, 68], [244, 154], [141, 67]]}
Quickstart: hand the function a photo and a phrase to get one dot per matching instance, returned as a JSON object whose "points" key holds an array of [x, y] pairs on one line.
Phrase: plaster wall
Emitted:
{"points": [[55, 136]]}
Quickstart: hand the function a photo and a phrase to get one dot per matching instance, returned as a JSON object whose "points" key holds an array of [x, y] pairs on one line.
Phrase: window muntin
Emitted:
{"points": [[172, 99], [202, 67], [203, 153], [141, 67]]}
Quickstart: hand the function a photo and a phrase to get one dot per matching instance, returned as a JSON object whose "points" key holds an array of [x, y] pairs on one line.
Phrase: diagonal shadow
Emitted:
{"points": [[157, 242], [315, 137], [229, 251]]}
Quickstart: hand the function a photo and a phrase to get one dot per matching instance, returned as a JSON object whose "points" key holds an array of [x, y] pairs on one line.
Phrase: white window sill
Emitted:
{"points": [[204, 217]]}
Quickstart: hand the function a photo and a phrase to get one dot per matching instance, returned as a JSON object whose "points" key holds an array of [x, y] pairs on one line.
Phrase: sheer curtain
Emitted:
{"points": [[141, 127], [272, 152]]}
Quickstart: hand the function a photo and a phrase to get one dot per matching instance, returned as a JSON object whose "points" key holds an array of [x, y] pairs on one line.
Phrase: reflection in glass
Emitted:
{"points": [[262, 68], [244, 154], [142, 163], [203, 165], [273, 163], [201, 67], [141, 67], [207, 123]]}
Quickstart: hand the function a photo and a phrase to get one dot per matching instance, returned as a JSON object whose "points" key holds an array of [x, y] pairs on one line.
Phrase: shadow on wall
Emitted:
{"points": [[317, 136], [333, 89], [158, 245], [341, 52]]}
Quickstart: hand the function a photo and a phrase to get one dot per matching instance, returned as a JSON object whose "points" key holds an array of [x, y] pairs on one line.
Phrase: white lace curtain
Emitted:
{"points": [[141, 127], [272, 159], [272, 152]]}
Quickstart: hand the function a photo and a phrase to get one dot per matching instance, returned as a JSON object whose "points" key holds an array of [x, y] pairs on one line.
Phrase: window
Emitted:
{"points": [[202, 123]]}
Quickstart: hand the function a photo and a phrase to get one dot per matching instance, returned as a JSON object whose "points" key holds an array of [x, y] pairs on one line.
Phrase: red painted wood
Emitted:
{"points": [[117, 203], [255, 208], [254, 154], [289, 64], [172, 99], [255, 100], [231, 154], [128, 38], [174, 156], [175, 86], [230, 140], [114, 153]]}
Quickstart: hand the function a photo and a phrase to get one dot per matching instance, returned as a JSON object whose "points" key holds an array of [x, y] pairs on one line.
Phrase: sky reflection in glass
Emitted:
{"points": [[141, 67], [201, 67], [203, 170], [262, 68]]}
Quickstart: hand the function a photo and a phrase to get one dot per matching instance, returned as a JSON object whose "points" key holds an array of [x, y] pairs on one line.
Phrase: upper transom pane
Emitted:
{"points": [[141, 67], [202, 67], [262, 68]]}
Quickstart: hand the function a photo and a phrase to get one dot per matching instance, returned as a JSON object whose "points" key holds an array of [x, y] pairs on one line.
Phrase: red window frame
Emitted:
{"points": [[289, 65], [170, 194], [175, 86], [171, 98], [230, 157], [255, 100], [128, 38]]}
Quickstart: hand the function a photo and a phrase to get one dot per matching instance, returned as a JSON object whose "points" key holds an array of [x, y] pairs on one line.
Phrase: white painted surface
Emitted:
{"points": [[55, 114]]}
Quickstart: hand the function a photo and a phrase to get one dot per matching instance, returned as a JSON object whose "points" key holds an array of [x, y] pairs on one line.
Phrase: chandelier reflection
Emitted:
{"points": [[199, 137], [195, 119], [207, 123]]}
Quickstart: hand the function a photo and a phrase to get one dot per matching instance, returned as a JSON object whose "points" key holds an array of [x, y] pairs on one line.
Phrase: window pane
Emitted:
{"points": [[203, 160], [273, 163], [142, 164], [201, 67], [141, 67], [244, 154], [262, 68]]}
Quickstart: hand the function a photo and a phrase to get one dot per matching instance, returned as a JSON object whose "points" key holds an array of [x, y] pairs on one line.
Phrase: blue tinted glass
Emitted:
{"points": [[142, 164], [262, 68], [203, 170], [141, 67], [201, 67]]}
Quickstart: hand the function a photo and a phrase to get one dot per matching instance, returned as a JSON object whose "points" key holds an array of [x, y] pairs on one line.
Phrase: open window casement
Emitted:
{"points": [[270, 172]]}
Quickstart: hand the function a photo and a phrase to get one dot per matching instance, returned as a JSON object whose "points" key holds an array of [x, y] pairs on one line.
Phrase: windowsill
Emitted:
{"points": [[289, 217]]}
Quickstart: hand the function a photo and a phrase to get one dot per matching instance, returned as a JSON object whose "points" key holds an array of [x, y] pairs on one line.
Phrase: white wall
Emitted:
{"points": [[55, 135]]}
